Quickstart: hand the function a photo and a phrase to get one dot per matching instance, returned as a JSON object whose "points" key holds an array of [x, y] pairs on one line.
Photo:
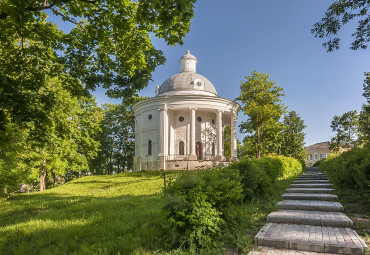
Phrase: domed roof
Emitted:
{"points": [[187, 81]]}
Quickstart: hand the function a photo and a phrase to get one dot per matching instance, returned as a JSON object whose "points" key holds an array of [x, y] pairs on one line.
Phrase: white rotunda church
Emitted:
{"points": [[183, 126]]}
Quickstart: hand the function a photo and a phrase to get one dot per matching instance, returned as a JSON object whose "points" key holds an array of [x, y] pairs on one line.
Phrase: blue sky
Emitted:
{"points": [[232, 38]]}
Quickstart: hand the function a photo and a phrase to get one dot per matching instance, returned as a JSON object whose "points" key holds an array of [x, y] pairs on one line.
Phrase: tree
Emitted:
{"points": [[293, 136], [364, 118], [339, 13], [117, 144], [346, 128], [61, 142], [261, 102], [109, 45]]}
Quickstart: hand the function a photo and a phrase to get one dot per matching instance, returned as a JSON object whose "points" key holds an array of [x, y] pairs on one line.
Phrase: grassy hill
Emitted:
{"points": [[115, 214]]}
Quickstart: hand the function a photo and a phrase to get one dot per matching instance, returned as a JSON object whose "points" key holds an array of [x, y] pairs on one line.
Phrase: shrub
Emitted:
{"points": [[195, 202], [351, 169], [259, 174]]}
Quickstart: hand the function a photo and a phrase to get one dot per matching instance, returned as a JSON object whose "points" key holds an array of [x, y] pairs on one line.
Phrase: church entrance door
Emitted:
{"points": [[199, 151]]}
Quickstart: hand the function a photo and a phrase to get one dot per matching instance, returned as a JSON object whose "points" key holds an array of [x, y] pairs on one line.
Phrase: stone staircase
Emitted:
{"points": [[309, 221]]}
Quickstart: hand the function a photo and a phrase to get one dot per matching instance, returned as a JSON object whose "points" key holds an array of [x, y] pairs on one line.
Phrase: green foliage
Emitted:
{"points": [[59, 142], [364, 120], [259, 174], [350, 169], [346, 128], [293, 137], [195, 202], [117, 144], [340, 13], [261, 102]]}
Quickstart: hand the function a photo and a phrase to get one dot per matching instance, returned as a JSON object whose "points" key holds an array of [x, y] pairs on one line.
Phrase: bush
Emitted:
{"points": [[195, 202], [351, 169], [259, 174]]}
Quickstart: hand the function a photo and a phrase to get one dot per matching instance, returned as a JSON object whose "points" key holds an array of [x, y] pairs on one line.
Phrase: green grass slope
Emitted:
{"points": [[91, 215]]}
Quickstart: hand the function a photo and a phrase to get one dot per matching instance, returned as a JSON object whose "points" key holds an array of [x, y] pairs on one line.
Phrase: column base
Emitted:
{"points": [[192, 157], [232, 159], [219, 158], [161, 163]]}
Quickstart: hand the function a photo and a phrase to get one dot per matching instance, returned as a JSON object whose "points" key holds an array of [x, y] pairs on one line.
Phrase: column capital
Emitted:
{"points": [[221, 111], [193, 108], [162, 108]]}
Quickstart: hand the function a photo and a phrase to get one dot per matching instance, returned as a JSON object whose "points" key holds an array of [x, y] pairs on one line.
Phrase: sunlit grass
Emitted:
{"points": [[92, 215]]}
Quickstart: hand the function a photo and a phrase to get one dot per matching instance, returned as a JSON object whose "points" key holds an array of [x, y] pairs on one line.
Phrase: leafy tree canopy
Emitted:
{"points": [[340, 13], [109, 45], [293, 136], [346, 129], [261, 102]]}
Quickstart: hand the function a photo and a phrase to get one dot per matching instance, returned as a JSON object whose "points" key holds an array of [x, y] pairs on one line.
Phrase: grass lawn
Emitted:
{"points": [[116, 214]]}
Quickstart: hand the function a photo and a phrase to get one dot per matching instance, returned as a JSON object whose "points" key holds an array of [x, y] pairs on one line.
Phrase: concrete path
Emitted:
{"points": [[309, 221]]}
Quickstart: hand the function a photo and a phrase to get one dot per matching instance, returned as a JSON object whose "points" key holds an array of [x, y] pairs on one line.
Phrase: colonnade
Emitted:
{"points": [[164, 127]]}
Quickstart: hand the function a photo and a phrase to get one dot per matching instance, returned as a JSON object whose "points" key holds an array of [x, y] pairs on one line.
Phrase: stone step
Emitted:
{"points": [[316, 218], [310, 190], [310, 238], [311, 185], [310, 181], [310, 205], [272, 251], [310, 196], [311, 178]]}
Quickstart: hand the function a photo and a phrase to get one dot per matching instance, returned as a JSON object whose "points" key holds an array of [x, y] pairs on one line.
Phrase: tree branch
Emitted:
{"points": [[65, 17]]}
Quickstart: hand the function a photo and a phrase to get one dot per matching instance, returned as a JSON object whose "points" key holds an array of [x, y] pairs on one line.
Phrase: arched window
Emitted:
{"points": [[181, 148], [149, 147], [213, 149]]}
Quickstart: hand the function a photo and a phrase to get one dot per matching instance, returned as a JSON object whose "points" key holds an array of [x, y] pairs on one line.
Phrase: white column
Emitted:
{"points": [[163, 139], [219, 135], [138, 141], [233, 137], [163, 132], [192, 155]]}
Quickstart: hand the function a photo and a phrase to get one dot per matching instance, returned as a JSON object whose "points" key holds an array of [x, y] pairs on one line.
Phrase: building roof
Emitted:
{"points": [[318, 146], [188, 81]]}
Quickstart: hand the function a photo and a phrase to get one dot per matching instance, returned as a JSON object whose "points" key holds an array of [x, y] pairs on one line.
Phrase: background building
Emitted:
{"points": [[182, 127], [317, 152]]}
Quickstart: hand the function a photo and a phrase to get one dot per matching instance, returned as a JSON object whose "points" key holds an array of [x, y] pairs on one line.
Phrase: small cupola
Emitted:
{"points": [[188, 63]]}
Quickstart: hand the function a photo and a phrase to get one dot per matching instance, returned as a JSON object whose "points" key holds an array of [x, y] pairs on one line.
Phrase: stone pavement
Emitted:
{"points": [[309, 221]]}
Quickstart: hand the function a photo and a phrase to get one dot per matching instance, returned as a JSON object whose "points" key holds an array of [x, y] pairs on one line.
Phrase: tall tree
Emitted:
{"points": [[293, 136], [61, 142], [261, 102], [346, 128], [339, 13], [117, 149]]}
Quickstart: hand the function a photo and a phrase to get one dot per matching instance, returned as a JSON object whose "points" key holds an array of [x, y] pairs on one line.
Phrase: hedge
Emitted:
{"points": [[349, 170]]}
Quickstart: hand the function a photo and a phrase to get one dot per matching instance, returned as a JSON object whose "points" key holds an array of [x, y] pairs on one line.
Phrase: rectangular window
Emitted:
{"points": [[326, 155], [315, 156], [320, 156], [310, 156]]}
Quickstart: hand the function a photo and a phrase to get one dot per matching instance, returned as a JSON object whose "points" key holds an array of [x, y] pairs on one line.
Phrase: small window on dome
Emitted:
{"points": [[199, 119], [181, 119], [150, 117], [199, 84]]}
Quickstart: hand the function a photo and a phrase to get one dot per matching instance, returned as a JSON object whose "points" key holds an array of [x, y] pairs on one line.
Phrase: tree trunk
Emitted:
{"points": [[258, 143], [42, 179]]}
